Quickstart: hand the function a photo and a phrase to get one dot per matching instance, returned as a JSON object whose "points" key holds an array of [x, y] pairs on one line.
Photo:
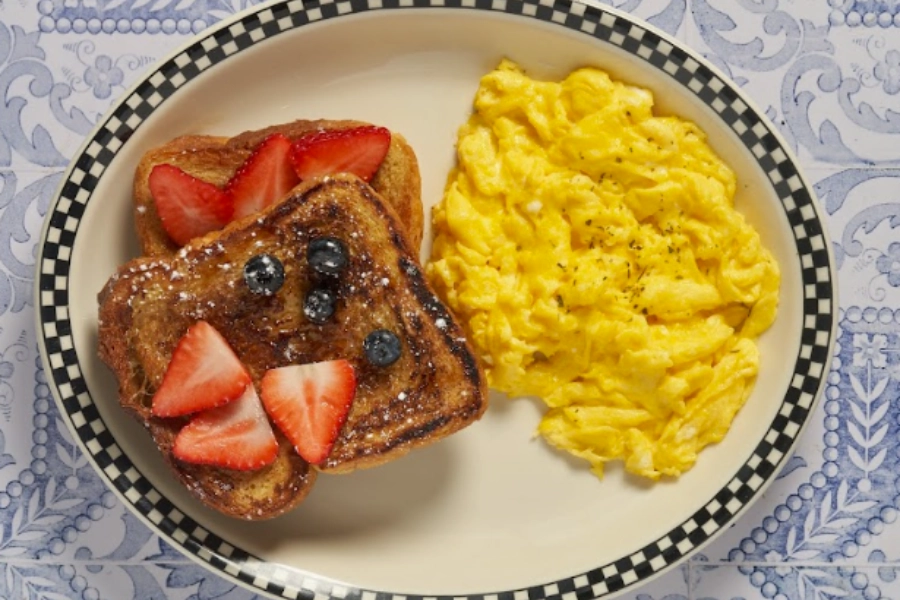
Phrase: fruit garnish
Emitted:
{"points": [[327, 255], [358, 150], [266, 176], [382, 347], [235, 436], [319, 305], [188, 207], [203, 373], [264, 274], [309, 404]]}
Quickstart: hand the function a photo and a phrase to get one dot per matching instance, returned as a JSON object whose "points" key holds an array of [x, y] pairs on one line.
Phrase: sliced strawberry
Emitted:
{"points": [[265, 176], [358, 150], [187, 206], [235, 436], [309, 403], [202, 373]]}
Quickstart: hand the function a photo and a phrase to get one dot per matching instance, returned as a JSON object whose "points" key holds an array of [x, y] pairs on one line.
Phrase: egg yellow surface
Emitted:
{"points": [[593, 253]]}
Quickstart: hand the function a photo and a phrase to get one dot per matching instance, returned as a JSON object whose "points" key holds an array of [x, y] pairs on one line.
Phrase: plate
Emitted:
{"points": [[490, 510]]}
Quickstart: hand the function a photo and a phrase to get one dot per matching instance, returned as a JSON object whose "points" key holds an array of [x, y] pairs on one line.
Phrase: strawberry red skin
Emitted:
{"points": [[309, 403], [188, 207], [357, 150], [203, 373], [265, 177], [234, 436]]}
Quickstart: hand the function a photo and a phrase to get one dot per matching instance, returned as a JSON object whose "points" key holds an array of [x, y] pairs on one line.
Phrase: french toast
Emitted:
{"points": [[435, 388], [215, 159]]}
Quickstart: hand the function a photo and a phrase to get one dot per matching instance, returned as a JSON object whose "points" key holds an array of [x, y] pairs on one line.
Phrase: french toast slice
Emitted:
{"points": [[214, 159], [434, 389]]}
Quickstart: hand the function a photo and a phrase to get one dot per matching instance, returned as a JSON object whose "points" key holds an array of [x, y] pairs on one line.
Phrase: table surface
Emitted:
{"points": [[827, 72]]}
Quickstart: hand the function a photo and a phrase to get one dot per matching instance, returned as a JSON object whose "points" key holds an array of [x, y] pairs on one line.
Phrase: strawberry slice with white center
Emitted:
{"points": [[309, 404], [203, 373], [357, 150], [235, 436], [188, 207], [266, 176]]}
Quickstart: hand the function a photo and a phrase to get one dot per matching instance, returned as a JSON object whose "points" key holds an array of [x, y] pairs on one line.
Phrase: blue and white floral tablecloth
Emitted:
{"points": [[827, 72]]}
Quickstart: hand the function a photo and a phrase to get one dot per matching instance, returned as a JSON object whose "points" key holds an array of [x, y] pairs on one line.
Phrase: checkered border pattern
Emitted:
{"points": [[604, 25]]}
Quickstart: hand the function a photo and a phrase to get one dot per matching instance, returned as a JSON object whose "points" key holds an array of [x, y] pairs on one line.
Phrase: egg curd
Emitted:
{"points": [[593, 254]]}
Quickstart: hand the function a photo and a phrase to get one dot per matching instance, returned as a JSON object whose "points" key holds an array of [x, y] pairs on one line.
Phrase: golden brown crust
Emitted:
{"points": [[256, 495], [433, 390], [214, 159]]}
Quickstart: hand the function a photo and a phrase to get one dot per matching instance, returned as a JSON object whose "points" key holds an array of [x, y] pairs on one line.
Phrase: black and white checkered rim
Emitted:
{"points": [[605, 25]]}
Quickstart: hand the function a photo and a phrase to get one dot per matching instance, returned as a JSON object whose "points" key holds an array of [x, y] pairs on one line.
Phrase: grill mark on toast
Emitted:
{"points": [[452, 334]]}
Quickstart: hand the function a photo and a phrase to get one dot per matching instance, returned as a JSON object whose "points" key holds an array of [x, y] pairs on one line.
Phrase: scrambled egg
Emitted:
{"points": [[592, 252]]}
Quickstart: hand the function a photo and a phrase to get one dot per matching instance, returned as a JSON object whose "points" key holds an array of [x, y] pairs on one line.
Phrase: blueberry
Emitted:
{"points": [[382, 347], [264, 274], [327, 255], [319, 305]]}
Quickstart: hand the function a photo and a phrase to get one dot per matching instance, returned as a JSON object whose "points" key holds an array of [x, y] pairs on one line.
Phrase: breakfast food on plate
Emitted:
{"points": [[194, 184], [300, 339], [593, 254]]}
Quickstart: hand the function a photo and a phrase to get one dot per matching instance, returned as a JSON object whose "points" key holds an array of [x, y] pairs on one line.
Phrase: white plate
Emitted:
{"points": [[489, 510]]}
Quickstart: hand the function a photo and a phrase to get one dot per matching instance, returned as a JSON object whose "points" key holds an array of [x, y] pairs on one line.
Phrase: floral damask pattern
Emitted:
{"points": [[889, 264], [164, 17], [839, 107], [98, 73], [103, 75], [867, 13], [869, 349], [887, 71]]}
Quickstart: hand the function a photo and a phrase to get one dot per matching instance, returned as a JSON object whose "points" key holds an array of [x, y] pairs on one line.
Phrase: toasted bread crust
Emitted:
{"points": [[433, 390], [255, 495], [215, 159]]}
